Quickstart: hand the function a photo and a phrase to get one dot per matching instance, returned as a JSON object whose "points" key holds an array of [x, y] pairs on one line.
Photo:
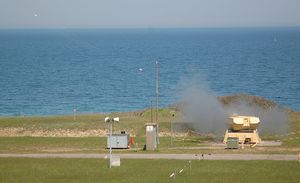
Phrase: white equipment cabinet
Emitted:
{"points": [[118, 141]]}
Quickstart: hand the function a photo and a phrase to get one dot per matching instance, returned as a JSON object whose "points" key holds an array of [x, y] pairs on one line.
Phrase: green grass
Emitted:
{"points": [[129, 120], [98, 145], [50, 144], [136, 171], [132, 122], [80, 144], [293, 139]]}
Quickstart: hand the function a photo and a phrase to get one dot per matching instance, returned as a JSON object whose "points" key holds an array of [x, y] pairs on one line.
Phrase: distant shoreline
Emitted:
{"points": [[162, 28], [224, 100]]}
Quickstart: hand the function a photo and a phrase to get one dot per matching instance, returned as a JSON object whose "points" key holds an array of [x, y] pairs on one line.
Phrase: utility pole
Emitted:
{"points": [[172, 132], [110, 122], [151, 82], [156, 116], [110, 148]]}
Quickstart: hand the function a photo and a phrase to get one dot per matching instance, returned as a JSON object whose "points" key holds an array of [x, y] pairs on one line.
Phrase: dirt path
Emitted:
{"points": [[281, 157]]}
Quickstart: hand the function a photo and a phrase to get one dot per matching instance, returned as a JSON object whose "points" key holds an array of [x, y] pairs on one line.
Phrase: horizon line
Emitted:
{"points": [[212, 27]]}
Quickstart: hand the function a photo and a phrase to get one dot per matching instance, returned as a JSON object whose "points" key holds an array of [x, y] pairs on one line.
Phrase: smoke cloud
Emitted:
{"points": [[204, 112]]}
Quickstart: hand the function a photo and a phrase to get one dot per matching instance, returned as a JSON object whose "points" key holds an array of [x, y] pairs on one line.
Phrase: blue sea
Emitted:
{"points": [[49, 72]]}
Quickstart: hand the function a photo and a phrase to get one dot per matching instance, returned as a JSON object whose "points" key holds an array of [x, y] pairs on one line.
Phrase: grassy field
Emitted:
{"points": [[132, 122], [86, 144], [293, 139], [83, 121], [96, 170], [98, 145], [86, 134]]}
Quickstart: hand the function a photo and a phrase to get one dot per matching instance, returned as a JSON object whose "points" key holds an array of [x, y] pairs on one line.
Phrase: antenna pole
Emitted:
{"points": [[156, 116], [151, 82], [110, 148]]}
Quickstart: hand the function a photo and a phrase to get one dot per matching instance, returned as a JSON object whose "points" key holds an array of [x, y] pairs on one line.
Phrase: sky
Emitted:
{"points": [[148, 13]]}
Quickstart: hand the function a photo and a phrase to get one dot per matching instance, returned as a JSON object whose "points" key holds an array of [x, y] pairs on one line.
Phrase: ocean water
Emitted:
{"points": [[47, 72]]}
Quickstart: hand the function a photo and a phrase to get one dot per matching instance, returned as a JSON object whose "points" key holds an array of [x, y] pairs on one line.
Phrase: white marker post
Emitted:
{"points": [[110, 121], [74, 114]]}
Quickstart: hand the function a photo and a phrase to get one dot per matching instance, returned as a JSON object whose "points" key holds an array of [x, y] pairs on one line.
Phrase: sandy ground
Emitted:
{"points": [[22, 132], [279, 157]]}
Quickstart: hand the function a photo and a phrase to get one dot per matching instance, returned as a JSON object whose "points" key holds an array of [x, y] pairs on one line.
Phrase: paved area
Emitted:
{"points": [[261, 144], [282, 157]]}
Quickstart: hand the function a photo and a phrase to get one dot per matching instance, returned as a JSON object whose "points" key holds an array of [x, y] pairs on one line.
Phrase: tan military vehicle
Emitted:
{"points": [[244, 128]]}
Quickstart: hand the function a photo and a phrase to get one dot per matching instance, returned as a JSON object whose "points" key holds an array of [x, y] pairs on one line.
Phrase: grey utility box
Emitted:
{"points": [[118, 141], [151, 136], [232, 143]]}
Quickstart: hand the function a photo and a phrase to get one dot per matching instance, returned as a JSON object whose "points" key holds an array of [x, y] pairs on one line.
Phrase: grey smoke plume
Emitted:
{"points": [[205, 113], [274, 120]]}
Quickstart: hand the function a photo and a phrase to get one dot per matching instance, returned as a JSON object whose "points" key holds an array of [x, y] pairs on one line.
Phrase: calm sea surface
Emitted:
{"points": [[45, 72]]}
